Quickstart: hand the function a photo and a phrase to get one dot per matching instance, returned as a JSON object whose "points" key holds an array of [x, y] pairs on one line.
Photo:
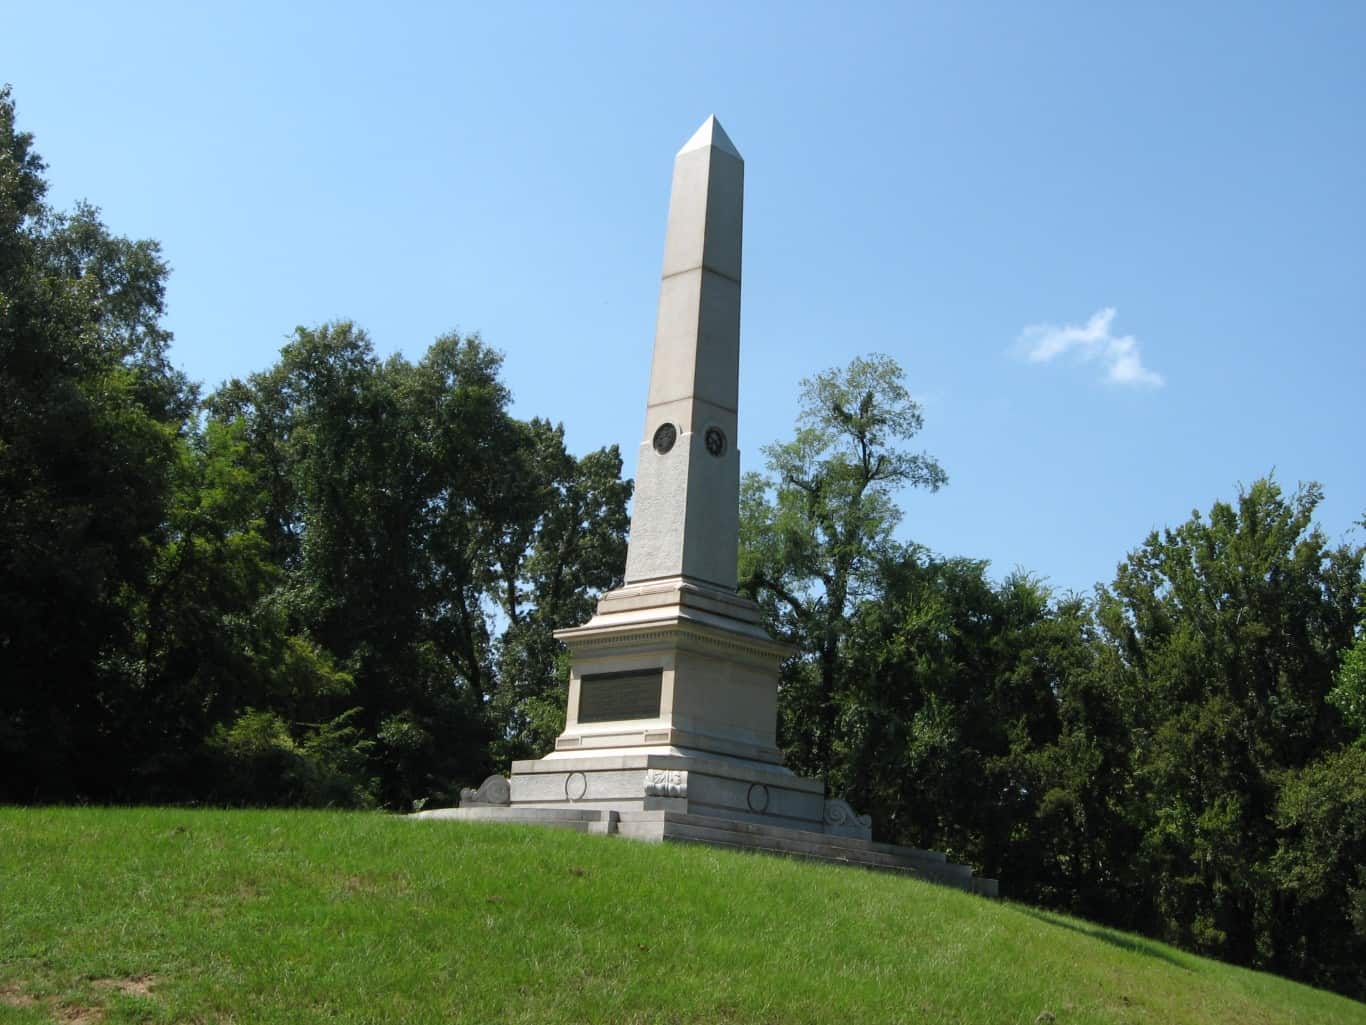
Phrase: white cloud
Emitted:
{"points": [[1092, 342]]}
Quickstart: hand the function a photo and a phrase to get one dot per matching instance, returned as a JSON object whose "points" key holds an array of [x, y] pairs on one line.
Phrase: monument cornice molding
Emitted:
{"points": [[681, 634]]}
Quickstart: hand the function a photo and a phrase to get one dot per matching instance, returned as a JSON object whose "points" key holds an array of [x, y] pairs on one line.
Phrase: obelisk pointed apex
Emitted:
{"points": [[711, 134]]}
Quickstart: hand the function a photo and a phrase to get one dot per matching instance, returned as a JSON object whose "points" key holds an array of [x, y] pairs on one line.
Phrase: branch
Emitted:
{"points": [[763, 580]]}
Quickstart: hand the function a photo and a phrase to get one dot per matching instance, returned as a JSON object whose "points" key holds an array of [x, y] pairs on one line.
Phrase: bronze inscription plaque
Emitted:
{"points": [[606, 697]]}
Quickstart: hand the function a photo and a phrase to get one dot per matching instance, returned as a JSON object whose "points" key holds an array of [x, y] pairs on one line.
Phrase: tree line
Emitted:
{"points": [[331, 583], [1181, 754], [335, 582]]}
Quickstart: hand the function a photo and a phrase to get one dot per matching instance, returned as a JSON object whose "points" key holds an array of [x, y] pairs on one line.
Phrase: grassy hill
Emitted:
{"points": [[156, 915]]}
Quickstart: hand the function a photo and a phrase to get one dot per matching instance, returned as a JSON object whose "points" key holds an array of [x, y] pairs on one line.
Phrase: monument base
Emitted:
{"points": [[672, 666], [669, 736], [685, 782], [677, 795]]}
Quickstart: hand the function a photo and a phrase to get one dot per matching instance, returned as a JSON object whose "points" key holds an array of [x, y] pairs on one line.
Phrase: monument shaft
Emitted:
{"points": [[675, 660], [684, 520]]}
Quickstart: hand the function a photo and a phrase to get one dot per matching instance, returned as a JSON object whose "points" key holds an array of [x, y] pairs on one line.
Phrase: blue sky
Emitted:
{"points": [[1120, 253]]}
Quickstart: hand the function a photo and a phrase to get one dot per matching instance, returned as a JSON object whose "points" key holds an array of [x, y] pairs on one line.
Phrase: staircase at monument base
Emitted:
{"points": [[680, 827]]}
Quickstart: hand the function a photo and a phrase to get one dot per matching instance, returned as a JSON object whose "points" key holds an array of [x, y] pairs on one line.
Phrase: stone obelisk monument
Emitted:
{"points": [[674, 682], [673, 687]]}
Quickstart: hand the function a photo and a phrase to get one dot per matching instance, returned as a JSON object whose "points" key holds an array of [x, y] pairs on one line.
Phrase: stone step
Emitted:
{"points": [[783, 853], [579, 820], [932, 861], [677, 826], [683, 827], [832, 839], [812, 850]]}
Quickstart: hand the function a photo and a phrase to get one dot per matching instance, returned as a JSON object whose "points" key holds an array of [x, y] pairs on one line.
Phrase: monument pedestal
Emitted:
{"points": [[669, 665], [684, 782], [673, 702]]}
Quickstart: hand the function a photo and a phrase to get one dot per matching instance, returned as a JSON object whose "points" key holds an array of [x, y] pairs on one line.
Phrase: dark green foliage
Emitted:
{"points": [[403, 503], [566, 545], [1348, 696], [1319, 872], [92, 426], [380, 479], [1168, 757], [1227, 632], [284, 595], [952, 687], [815, 530], [258, 761]]}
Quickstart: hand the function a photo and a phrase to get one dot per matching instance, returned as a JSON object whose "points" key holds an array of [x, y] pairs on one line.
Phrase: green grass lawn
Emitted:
{"points": [[157, 915]]}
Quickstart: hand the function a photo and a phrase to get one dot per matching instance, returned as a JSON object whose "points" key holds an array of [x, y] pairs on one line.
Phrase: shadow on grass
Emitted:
{"points": [[1116, 939]]}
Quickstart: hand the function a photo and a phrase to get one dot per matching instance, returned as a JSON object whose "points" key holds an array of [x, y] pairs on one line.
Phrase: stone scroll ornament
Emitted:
{"points": [[666, 783], [495, 790], [842, 820]]}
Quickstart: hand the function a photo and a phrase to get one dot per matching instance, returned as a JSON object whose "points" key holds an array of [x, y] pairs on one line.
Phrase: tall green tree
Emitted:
{"points": [[952, 694], [405, 505], [1318, 932], [92, 422], [384, 502], [334, 582], [1319, 867], [220, 653], [814, 528], [1348, 695], [1227, 632], [564, 548]]}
